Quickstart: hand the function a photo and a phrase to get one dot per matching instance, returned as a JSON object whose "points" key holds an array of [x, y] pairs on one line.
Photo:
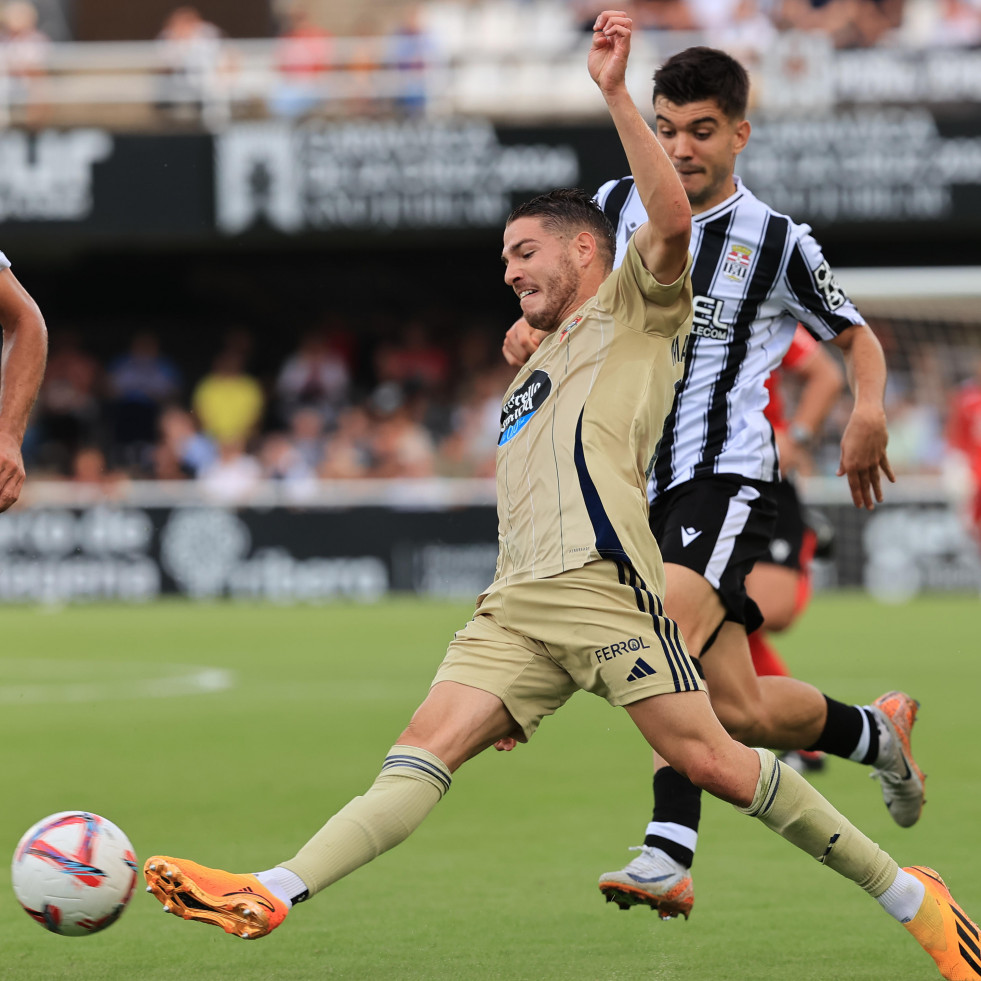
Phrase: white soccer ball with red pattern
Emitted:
{"points": [[74, 872]]}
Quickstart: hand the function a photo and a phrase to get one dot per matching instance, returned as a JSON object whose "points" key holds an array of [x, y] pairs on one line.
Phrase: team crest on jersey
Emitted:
{"points": [[736, 263], [522, 404], [569, 327]]}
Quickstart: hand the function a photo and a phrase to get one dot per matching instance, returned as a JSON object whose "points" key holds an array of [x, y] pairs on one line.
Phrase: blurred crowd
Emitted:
{"points": [[420, 402], [326, 52], [337, 407]]}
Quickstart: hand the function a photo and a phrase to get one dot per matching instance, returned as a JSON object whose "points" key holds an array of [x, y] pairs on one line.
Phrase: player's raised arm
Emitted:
{"points": [[663, 241]]}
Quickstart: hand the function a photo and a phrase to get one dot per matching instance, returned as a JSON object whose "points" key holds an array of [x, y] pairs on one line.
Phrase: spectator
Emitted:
{"points": [[282, 462], [347, 454], [471, 447], [24, 53], [849, 23], [191, 53], [68, 405], [400, 446], [664, 15], [181, 445], [233, 476], [89, 471], [139, 383], [414, 360], [307, 435], [410, 51], [316, 376], [740, 27], [303, 59], [228, 402]]}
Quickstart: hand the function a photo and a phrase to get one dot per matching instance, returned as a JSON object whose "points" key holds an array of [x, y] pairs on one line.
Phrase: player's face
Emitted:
{"points": [[539, 267], [703, 144]]}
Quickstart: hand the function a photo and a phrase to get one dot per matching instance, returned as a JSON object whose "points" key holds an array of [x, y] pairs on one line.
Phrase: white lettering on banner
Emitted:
{"points": [[205, 550], [889, 165], [939, 555], [55, 532], [48, 176], [58, 555], [378, 175], [78, 577], [802, 72]]}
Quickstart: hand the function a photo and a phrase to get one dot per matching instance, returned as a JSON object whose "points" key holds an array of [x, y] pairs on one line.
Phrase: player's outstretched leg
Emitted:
{"points": [[916, 896], [944, 930], [411, 782], [239, 904], [901, 779]]}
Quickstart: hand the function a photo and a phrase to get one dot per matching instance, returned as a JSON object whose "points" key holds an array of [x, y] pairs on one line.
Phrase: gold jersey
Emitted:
{"points": [[580, 426]]}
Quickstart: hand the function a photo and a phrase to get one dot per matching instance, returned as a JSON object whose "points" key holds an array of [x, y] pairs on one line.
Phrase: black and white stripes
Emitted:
{"points": [[755, 274]]}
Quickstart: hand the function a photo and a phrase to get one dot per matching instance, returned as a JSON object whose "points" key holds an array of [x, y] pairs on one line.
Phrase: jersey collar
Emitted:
{"points": [[723, 206]]}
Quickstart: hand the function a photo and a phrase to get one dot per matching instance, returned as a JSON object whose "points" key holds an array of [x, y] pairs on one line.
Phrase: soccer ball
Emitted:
{"points": [[74, 872]]}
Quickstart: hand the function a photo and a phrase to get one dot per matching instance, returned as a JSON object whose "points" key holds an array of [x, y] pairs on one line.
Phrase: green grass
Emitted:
{"points": [[499, 883]]}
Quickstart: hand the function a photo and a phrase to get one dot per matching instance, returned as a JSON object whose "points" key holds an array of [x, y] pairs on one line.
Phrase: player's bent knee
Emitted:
{"points": [[711, 774]]}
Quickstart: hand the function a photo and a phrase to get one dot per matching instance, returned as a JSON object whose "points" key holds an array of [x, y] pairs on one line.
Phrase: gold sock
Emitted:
{"points": [[411, 783], [786, 803]]}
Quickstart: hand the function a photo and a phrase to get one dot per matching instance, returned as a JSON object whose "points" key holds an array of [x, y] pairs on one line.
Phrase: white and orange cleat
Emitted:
{"points": [[651, 879], [901, 779], [944, 930], [239, 904]]}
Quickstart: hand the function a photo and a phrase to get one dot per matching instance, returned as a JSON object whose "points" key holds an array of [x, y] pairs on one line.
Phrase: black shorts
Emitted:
{"points": [[790, 530], [719, 527]]}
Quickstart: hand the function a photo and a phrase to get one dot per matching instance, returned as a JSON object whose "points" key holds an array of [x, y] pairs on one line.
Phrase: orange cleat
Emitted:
{"points": [[239, 904], [901, 779], [944, 930]]}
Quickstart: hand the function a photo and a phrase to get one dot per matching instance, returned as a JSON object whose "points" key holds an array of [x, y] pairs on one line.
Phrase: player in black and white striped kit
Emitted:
{"points": [[755, 274]]}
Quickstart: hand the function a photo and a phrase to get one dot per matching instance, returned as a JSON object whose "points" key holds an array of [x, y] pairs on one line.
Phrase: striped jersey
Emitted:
{"points": [[755, 274], [579, 427]]}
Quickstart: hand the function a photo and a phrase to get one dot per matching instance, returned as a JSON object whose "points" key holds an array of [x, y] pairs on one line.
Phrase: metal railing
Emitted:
{"points": [[152, 85]]}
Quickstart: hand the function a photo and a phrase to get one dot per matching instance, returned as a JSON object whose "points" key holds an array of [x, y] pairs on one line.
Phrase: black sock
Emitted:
{"points": [[843, 731], [676, 801]]}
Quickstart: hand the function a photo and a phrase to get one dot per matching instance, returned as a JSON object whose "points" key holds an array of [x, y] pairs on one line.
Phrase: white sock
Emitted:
{"points": [[863, 743], [885, 739], [283, 884], [903, 898]]}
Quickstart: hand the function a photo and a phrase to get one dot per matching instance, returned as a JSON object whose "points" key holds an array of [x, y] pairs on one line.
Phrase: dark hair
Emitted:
{"points": [[571, 210], [698, 74]]}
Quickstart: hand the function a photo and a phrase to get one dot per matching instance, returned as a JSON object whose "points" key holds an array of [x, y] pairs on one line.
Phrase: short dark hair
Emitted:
{"points": [[700, 73], [571, 210]]}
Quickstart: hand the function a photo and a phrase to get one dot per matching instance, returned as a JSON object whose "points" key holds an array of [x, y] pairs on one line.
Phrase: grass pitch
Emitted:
{"points": [[229, 733]]}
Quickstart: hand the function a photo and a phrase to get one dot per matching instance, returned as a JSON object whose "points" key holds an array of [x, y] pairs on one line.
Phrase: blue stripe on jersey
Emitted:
{"points": [[607, 543], [770, 251]]}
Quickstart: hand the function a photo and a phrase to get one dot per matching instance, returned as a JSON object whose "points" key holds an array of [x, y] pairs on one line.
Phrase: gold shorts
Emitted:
{"points": [[535, 643]]}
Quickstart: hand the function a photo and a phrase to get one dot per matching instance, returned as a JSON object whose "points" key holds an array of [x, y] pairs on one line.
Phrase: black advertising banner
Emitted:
{"points": [[317, 555], [873, 171], [135, 554]]}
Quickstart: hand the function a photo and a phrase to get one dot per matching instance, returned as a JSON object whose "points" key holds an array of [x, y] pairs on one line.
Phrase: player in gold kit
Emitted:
{"points": [[575, 601]]}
